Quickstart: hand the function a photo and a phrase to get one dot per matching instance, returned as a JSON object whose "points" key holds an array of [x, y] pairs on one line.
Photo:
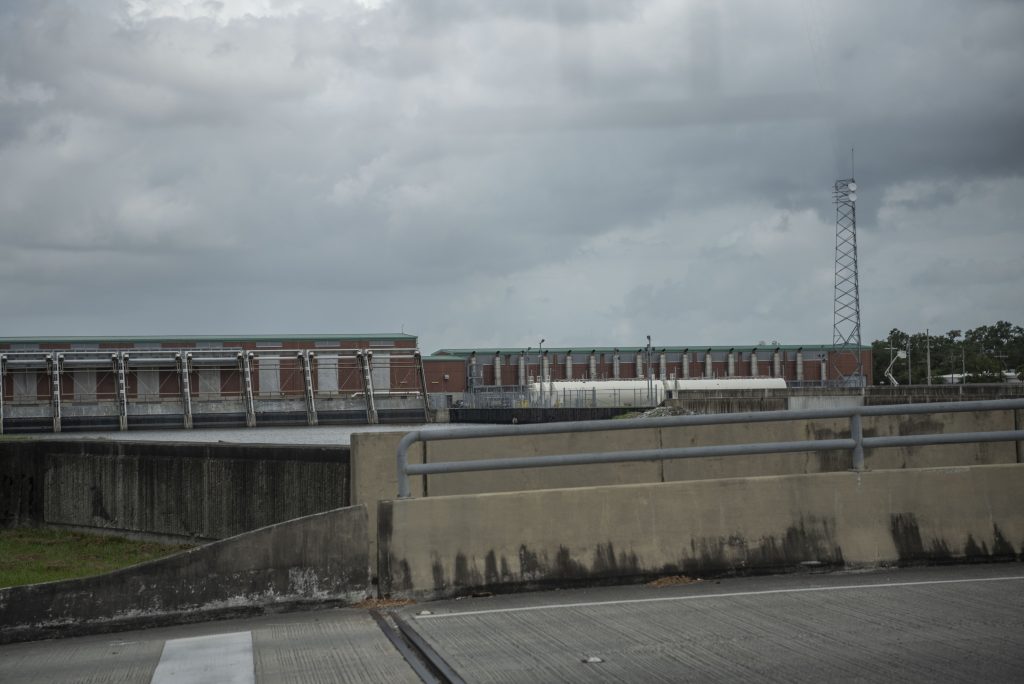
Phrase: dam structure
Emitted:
{"points": [[67, 384], [131, 383]]}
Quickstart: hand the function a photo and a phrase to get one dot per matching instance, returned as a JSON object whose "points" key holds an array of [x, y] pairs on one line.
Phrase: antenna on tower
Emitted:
{"points": [[847, 365]]}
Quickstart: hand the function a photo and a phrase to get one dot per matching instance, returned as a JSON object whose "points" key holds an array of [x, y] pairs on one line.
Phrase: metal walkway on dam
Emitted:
{"points": [[119, 389], [952, 623]]}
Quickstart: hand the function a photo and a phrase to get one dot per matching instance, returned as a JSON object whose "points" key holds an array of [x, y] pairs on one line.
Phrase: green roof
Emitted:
{"points": [[203, 338], [481, 351]]}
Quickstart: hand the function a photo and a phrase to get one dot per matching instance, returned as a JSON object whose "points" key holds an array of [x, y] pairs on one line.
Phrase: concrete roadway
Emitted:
{"points": [[954, 623]]}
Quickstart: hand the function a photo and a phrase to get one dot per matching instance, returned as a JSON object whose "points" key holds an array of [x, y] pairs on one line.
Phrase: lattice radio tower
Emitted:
{"points": [[847, 367]]}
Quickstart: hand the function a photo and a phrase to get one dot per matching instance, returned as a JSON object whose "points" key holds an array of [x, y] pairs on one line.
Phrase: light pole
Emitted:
{"points": [[540, 359], [540, 368], [650, 378]]}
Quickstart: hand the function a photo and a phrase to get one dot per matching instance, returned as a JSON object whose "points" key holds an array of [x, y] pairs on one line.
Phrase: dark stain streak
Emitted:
{"points": [[506, 574], [98, 510], [437, 569], [491, 568], [906, 535], [939, 550], [465, 574], [972, 550], [529, 566], [566, 567], [1001, 548]]}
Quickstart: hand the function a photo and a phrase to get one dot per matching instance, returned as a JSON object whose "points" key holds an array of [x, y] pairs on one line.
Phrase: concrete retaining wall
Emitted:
{"points": [[318, 560], [167, 490], [444, 546]]}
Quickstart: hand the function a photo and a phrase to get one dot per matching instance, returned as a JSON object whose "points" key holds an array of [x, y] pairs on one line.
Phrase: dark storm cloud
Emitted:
{"points": [[489, 173]]}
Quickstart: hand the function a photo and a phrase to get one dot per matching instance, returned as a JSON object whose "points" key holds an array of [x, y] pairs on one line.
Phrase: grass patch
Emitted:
{"points": [[29, 555]]}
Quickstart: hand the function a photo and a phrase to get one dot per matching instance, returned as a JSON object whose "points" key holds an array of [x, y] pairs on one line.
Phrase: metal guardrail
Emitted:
{"points": [[856, 443]]}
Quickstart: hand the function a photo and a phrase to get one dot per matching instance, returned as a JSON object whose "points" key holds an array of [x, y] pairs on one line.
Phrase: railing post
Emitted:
{"points": [[857, 434], [404, 491]]}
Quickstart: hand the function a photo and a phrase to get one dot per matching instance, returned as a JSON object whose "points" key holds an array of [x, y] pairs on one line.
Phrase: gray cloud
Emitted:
{"points": [[488, 174]]}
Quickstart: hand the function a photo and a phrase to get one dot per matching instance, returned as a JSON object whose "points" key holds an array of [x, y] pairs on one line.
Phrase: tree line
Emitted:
{"points": [[979, 355]]}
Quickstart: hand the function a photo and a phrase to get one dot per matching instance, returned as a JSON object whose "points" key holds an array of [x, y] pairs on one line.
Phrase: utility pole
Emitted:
{"points": [[910, 368], [928, 352]]}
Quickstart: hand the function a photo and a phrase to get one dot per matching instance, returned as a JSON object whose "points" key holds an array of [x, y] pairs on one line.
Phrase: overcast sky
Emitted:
{"points": [[488, 174]]}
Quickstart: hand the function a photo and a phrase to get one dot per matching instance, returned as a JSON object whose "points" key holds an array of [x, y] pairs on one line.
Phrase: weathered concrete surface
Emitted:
{"points": [[542, 478], [375, 476], [961, 623], [950, 623], [834, 461], [343, 645], [441, 546], [315, 560], [165, 489]]}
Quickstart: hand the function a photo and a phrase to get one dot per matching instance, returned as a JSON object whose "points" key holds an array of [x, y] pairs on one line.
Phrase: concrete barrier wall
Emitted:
{"points": [[317, 560], [167, 490], [374, 475], [443, 546]]}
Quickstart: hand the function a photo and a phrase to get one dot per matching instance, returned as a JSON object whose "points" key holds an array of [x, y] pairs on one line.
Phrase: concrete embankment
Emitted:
{"points": [[317, 560], [167, 490], [445, 546]]}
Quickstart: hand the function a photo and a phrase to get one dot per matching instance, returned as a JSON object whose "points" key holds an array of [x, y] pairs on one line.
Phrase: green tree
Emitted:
{"points": [[984, 353]]}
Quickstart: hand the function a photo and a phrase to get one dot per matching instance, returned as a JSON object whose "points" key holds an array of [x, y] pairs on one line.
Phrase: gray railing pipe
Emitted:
{"points": [[627, 456], [952, 438], [857, 442]]}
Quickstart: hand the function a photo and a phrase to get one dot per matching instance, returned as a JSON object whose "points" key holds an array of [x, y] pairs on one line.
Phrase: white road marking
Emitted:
{"points": [[586, 604], [215, 659]]}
